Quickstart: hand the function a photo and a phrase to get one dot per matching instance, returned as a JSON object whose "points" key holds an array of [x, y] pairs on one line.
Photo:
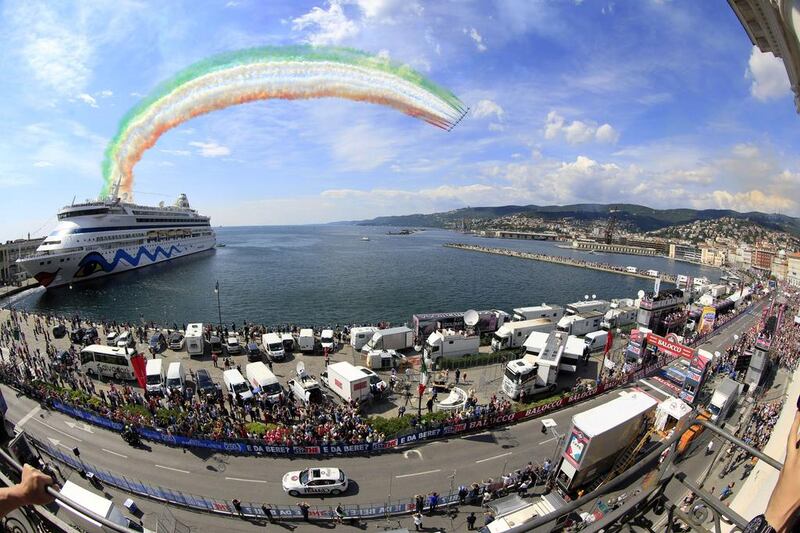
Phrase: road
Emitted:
{"points": [[394, 475]]}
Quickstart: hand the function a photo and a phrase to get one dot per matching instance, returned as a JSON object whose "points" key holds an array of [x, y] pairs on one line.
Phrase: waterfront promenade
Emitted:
{"points": [[561, 260]]}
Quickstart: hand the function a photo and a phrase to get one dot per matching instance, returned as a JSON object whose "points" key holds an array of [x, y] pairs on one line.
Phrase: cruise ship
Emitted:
{"points": [[96, 239]]}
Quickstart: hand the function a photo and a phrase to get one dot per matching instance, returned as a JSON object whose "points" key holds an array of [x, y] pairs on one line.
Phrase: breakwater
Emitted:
{"points": [[561, 260]]}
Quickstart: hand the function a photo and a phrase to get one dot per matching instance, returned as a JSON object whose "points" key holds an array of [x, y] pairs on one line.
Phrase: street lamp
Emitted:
{"points": [[219, 307]]}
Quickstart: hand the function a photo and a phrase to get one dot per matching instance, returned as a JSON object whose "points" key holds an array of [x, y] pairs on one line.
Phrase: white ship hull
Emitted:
{"points": [[66, 267]]}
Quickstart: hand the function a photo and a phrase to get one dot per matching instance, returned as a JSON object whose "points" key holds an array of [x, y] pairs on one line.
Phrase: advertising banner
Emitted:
{"points": [[575, 447], [669, 346], [706, 323]]}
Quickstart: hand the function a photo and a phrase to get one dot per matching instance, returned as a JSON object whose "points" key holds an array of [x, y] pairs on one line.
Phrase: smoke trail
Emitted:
{"points": [[266, 73]]}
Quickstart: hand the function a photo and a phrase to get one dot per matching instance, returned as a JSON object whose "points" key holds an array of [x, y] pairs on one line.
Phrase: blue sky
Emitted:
{"points": [[663, 103]]}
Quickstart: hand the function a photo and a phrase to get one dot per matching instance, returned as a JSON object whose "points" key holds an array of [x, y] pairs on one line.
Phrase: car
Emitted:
{"points": [[253, 352], [176, 341], [232, 345], [158, 343], [59, 331], [204, 385], [216, 345], [376, 384], [111, 336], [331, 481], [90, 336], [64, 358], [125, 340]]}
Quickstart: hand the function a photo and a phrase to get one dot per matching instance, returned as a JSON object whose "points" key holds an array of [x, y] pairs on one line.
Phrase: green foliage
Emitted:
{"points": [[256, 428], [482, 359], [136, 410], [164, 415], [390, 426], [536, 403]]}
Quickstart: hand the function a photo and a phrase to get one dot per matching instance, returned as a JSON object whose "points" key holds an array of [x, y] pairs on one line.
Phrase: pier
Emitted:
{"points": [[568, 261]]}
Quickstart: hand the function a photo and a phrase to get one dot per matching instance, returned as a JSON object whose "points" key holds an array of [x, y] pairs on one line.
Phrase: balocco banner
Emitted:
{"points": [[672, 347]]}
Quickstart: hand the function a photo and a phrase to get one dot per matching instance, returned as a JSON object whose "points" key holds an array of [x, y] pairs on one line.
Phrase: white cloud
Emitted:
{"points": [[232, 3], [210, 149], [177, 152], [87, 99], [752, 200], [326, 26], [107, 93], [487, 108], [363, 147], [137, 95], [606, 134], [387, 11], [578, 131], [477, 38], [43, 164], [769, 76]]}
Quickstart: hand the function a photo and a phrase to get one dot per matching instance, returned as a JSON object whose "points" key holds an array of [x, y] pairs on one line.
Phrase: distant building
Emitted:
{"points": [[660, 246], [772, 26], [9, 252], [711, 255], [793, 269], [762, 257], [663, 312], [684, 252], [740, 257], [780, 266]]}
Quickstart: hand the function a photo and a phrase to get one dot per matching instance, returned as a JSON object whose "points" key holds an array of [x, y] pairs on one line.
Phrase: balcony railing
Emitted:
{"points": [[653, 498]]}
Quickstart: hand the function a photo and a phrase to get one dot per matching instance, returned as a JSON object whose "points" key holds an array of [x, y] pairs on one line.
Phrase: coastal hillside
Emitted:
{"points": [[637, 218]]}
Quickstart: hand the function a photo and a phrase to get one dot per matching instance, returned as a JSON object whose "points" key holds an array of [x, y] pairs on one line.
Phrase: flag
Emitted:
{"points": [[609, 343], [138, 363]]}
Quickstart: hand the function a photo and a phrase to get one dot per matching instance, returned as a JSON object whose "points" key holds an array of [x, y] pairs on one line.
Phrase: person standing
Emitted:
{"points": [[238, 506], [458, 375], [417, 521], [339, 514], [304, 510], [471, 521], [267, 512], [418, 503]]}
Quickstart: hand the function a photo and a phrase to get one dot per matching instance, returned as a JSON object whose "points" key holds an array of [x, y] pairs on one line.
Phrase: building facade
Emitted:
{"points": [[762, 258], [685, 252], [9, 253], [793, 269]]}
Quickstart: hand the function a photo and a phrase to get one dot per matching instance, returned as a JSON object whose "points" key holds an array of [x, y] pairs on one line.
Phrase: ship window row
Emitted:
{"points": [[164, 220], [157, 213], [82, 212]]}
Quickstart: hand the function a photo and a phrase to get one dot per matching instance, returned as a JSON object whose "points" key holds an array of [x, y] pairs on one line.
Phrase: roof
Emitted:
{"points": [[324, 473], [306, 331], [614, 413], [86, 498], [536, 340], [536, 308], [390, 331], [575, 345], [346, 370]]}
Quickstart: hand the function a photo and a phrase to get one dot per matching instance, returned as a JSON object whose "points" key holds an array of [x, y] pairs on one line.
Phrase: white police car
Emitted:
{"points": [[315, 481]]}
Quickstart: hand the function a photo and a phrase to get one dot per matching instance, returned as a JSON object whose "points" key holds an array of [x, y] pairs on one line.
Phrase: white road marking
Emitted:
{"points": [[56, 442], [45, 424], [495, 457], [649, 384], [247, 480], [407, 452], [173, 469], [114, 453], [85, 427], [420, 473], [548, 440], [30, 415]]}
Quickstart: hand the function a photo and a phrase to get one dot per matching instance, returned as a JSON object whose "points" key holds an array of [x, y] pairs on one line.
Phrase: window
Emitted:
{"points": [[86, 357]]}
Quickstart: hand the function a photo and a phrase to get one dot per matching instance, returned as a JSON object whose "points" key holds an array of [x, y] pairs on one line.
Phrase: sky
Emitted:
{"points": [[662, 103]]}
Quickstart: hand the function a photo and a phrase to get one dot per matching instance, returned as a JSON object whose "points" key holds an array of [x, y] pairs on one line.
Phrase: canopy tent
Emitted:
{"points": [[670, 412]]}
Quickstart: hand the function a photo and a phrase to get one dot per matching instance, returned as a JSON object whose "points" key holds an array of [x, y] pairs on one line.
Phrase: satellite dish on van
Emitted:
{"points": [[471, 317], [594, 297], [640, 294], [585, 296], [301, 368]]}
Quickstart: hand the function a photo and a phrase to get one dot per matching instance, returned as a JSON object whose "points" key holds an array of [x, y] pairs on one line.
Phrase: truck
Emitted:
{"points": [[514, 334], [359, 336], [195, 344], [553, 312], [304, 387], [305, 341], [347, 381], [586, 306], [596, 340], [723, 399], [536, 372], [449, 344], [92, 502], [582, 324], [489, 321], [399, 338], [619, 317], [599, 435]]}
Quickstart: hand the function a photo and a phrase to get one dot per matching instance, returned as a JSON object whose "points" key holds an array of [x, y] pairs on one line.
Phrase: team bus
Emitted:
{"points": [[109, 361]]}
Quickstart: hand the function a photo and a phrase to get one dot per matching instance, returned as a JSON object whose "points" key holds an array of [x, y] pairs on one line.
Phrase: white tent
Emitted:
{"points": [[669, 412]]}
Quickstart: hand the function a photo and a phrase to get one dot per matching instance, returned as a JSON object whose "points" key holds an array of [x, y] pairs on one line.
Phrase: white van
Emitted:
{"points": [[326, 340], [288, 342], [236, 385], [273, 346], [596, 340], [155, 376], [305, 341], [176, 377], [263, 380], [631, 270], [360, 336]]}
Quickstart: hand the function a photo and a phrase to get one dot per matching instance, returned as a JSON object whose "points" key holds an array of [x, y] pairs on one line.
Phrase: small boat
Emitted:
{"points": [[364, 238], [221, 245]]}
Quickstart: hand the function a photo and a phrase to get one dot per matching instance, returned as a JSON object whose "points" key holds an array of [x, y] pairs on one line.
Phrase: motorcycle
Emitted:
{"points": [[131, 437]]}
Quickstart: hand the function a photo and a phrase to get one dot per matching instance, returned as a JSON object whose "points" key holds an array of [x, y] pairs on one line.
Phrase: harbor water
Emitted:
{"points": [[328, 274]]}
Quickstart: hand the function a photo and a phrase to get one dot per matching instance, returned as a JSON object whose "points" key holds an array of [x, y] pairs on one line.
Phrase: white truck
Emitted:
{"points": [[581, 324], [347, 381], [537, 371], [359, 336], [586, 306], [154, 371], [195, 344], [449, 344], [93, 502], [399, 338], [596, 340], [597, 437], [273, 346], [723, 400], [619, 316], [304, 387], [326, 340], [553, 312], [305, 341], [514, 334]]}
